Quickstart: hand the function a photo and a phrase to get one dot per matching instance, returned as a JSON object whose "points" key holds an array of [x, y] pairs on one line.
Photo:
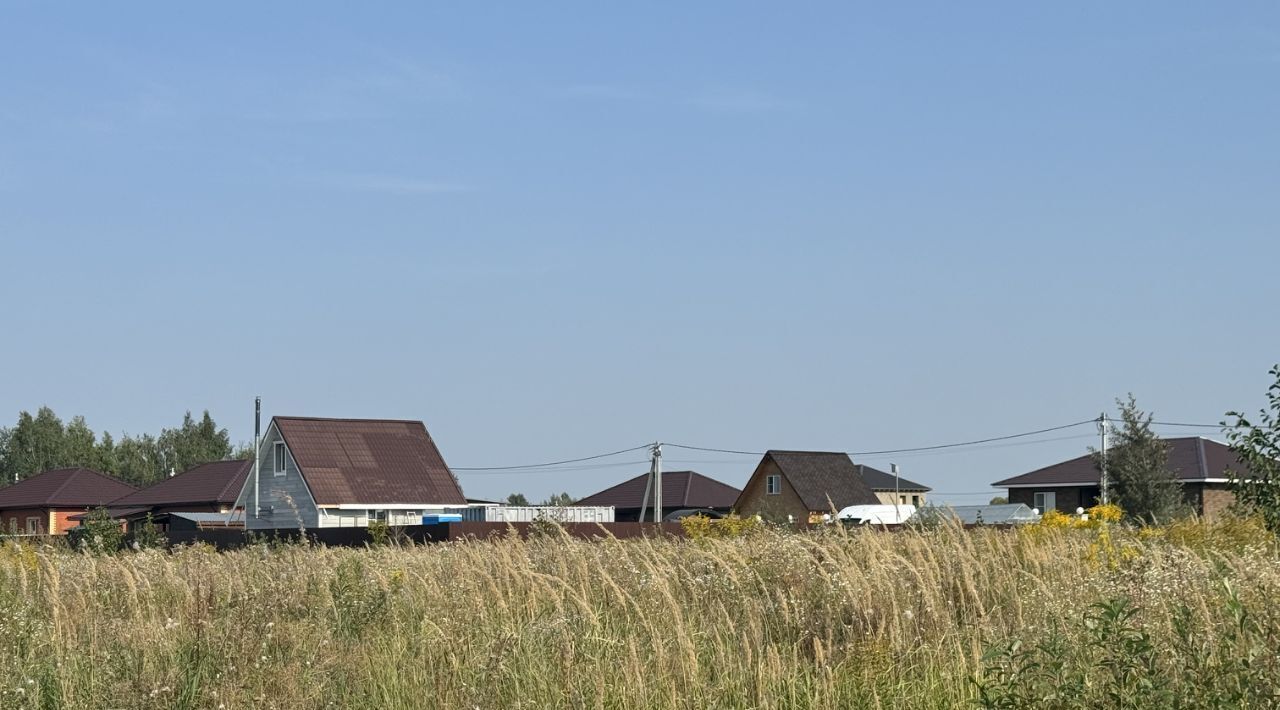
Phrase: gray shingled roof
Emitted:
{"points": [[823, 479]]}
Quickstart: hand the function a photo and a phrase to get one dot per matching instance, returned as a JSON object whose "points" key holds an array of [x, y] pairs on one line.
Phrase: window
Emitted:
{"points": [[1044, 501], [773, 484], [376, 515], [915, 500], [33, 526], [902, 500], [282, 458]]}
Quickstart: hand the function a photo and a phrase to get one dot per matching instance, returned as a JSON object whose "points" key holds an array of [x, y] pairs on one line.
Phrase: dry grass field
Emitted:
{"points": [[944, 618]]}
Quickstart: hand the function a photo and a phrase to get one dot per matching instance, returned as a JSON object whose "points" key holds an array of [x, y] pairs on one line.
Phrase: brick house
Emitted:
{"points": [[45, 503], [1201, 465], [802, 486], [681, 490]]}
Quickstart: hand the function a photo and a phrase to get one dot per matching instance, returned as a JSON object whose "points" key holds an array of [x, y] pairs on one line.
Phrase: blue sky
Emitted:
{"points": [[553, 230]]}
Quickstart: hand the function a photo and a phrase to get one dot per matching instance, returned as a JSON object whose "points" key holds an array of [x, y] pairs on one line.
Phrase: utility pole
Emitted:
{"points": [[1102, 429], [657, 482], [897, 515]]}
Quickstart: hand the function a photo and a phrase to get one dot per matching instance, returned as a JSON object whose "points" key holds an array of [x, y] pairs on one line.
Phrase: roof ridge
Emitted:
{"points": [[348, 419], [223, 492], [805, 451], [54, 494]]}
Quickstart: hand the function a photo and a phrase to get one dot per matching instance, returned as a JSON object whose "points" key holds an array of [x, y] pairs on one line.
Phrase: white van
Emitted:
{"points": [[876, 514]]}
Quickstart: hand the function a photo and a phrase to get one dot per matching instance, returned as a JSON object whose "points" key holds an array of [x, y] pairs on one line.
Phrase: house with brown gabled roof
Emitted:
{"points": [[207, 488], [1203, 466], [681, 490], [320, 473], [44, 504], [802, 486]]}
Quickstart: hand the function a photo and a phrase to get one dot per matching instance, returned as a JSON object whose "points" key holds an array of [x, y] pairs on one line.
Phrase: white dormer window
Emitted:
{"points": [[281, 458]]}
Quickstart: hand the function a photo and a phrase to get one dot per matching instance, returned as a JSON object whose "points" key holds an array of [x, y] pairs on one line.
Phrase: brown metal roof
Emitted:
{"points": [[878, 480], [369, 461], [216, 483], [64, 488], [823, 479], [680, 489], [1190, 458]]}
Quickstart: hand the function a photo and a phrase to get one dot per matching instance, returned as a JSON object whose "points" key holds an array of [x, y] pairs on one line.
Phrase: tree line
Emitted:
{"points": [[42, 441]]}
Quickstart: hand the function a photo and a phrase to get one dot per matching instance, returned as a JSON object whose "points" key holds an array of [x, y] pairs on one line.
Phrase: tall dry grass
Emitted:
{"points": [[774, 620]]}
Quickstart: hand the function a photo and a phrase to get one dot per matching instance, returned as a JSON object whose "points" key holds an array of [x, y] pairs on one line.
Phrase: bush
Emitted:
{"points": [[97, 533], [700, 526]]}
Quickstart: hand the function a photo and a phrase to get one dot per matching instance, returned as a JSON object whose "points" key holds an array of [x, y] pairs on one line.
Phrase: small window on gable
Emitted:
{"points": [[773, 484], [281, 458]]}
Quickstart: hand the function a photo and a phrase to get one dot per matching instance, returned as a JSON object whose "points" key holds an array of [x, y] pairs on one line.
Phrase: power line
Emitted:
{"points": [[934, 447], [550, 463], [549, 469]]}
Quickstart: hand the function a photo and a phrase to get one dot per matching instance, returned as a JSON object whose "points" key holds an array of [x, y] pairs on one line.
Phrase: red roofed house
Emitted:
{"points": [[322, 473], [681, 490], [1201, 465], [207, 488], [44, 503]]}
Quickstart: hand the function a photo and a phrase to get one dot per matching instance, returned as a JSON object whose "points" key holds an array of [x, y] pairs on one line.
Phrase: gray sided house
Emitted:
{"points": [[324, 473]]}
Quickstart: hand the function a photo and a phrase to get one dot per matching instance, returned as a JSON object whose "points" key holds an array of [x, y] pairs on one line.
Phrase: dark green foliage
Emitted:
{"points": [[999, 500], [560, 499], [517, 499], [1137, 463], [43, 442], [97, 533], [146, 535], [1257, 444], [1116, 664]]}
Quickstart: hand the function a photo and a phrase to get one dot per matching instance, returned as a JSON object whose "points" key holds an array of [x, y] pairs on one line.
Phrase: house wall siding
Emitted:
{"points": [[1067, 498], [916, 498], [290, 503], [755, 501]]}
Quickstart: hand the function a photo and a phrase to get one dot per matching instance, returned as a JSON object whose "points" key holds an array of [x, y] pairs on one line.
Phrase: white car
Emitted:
{"points": [[876, 514]]}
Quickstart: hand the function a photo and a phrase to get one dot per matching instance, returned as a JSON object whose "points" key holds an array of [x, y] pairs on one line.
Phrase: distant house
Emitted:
{"points": [[802, 486], [207, 488], [1201, 465], [45, 503], [883, 485], [319, 473], [681, 490]]}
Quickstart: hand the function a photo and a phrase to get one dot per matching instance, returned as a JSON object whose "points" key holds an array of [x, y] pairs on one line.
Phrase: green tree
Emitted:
{"points": [[192, 444], [559, 499], [999, 500], [1137, 463], [138, 460], [517, 499], [35, 444], [1257, 445], [79, 444]]}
